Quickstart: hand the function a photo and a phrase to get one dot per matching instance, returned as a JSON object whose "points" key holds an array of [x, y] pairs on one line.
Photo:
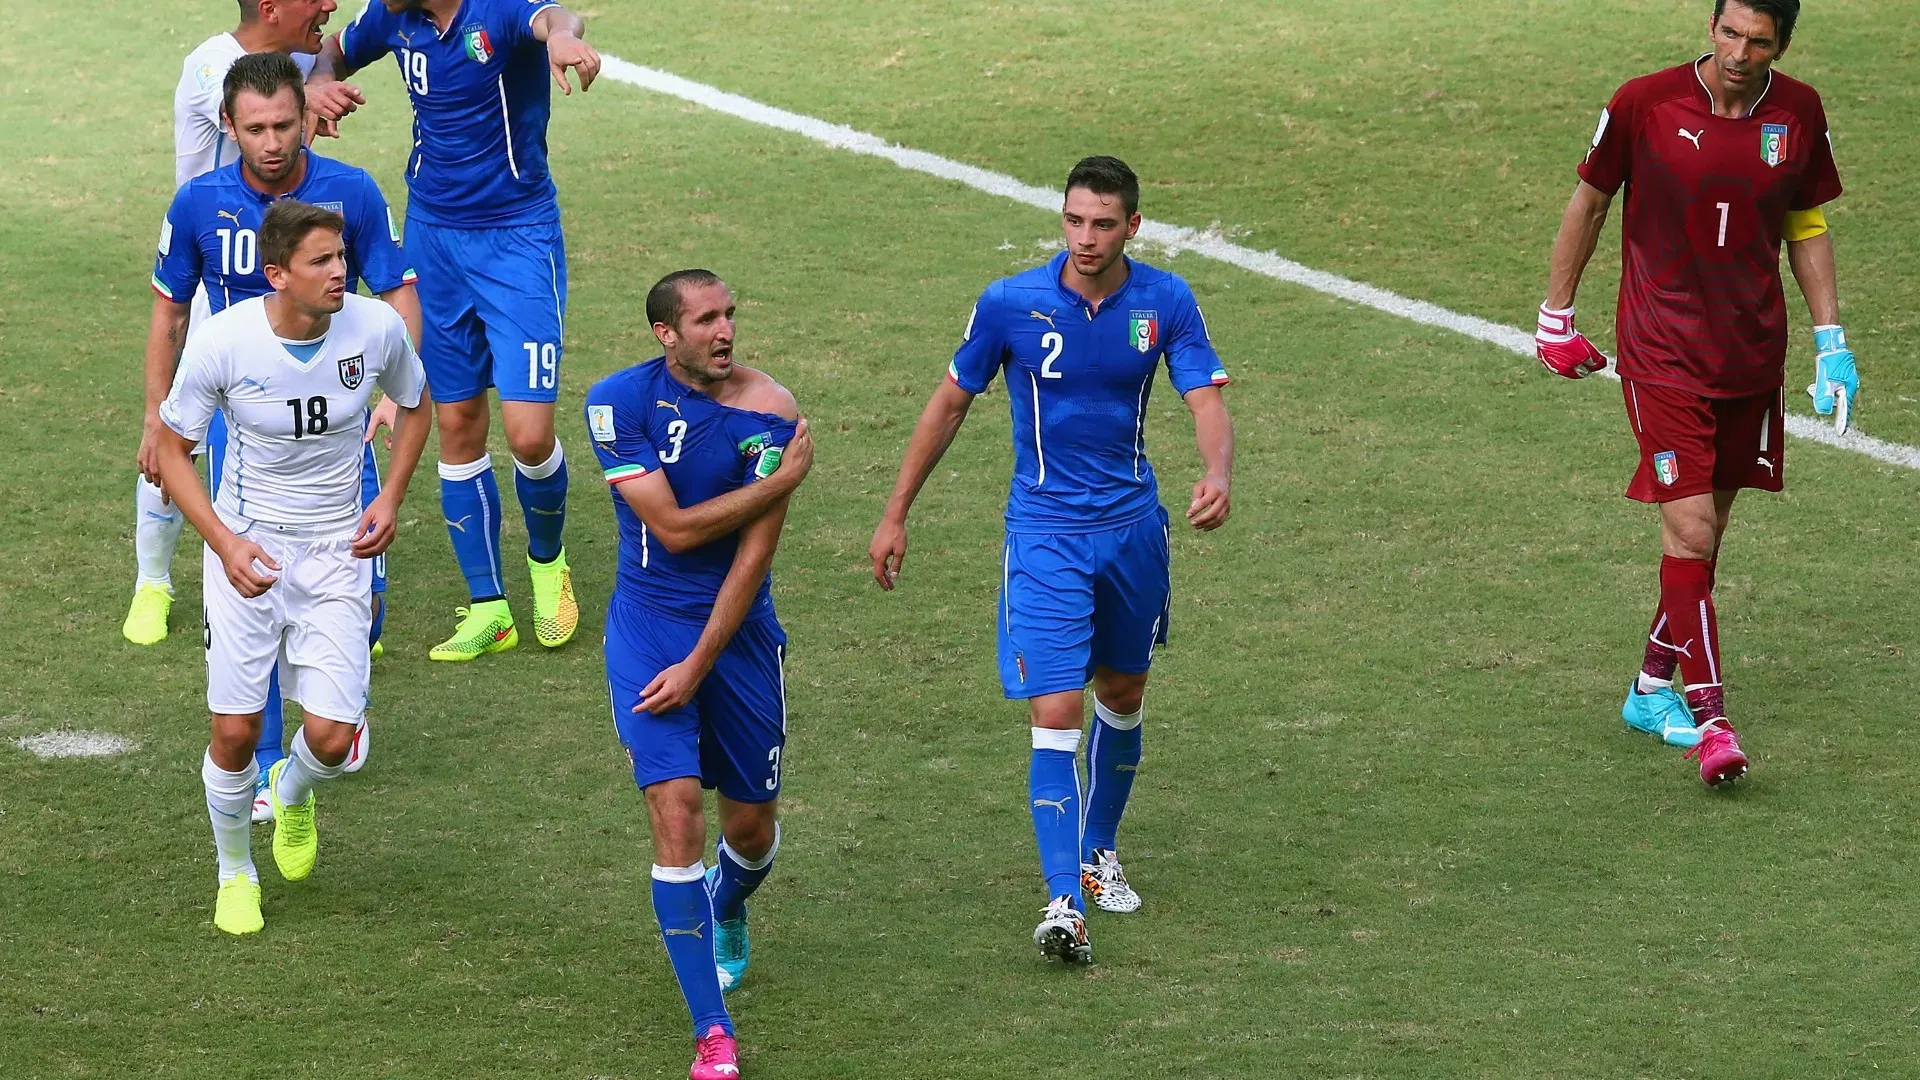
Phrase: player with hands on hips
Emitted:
{"points": [[289, 544]]}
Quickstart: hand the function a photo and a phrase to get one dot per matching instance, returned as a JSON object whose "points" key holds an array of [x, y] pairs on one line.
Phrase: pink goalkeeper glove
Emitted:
{"points": [[1563, 350]]}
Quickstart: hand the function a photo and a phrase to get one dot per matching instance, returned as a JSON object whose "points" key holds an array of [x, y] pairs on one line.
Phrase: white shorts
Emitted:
{"points": [[313, 622]]}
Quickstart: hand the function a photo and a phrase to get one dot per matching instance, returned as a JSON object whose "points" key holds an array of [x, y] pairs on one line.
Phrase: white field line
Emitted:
{"points": [[1171, 237], [71, 744]]}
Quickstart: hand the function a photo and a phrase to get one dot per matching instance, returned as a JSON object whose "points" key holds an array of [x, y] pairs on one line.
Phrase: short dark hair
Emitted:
{"points": [[1105, 175], [264, 73], [663, 300], [1785, 13], [287, 223]]}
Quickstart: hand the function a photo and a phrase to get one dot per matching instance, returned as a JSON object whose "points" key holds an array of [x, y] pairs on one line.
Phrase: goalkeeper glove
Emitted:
{"points": [[1836, 385], [1562, 349]]}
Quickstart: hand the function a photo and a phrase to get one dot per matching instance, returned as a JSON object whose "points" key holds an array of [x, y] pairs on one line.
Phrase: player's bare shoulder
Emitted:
{"points": [[757, 391]]}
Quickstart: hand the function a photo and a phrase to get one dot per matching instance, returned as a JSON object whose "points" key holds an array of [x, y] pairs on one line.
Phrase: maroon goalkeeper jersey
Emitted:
{"points": [[1701, 307]]}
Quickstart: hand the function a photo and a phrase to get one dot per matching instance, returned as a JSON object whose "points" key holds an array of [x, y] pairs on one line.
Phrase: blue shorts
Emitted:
{"points": [[1070, 603], [493, 302], [369, 482], [731, 735]]}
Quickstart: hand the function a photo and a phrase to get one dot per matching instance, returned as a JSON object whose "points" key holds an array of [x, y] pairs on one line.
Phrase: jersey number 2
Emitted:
{"points": [[1053, 343]]}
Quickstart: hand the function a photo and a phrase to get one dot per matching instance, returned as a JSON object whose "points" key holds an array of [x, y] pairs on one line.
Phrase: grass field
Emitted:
{"points": [[1388, 824]]}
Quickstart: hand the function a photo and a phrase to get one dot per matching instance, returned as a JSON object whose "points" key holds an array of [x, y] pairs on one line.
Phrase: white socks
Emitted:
{"points": [[303, 771], [1119, 721], [760, 863], [1066, 741], [156, 530], [230, 808], [541, 471], [471, 469]]}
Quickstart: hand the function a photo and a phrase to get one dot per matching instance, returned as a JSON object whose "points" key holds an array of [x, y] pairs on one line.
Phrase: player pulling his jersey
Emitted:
{"points": [[209, 255], [483, 225], [201, 144], [702, 454], [1084, 582], [289, 550], [1722, 159]]}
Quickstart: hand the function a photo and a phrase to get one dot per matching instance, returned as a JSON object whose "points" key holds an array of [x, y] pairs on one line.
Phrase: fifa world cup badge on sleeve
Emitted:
{"points": [[1144, 330], [1666, 468], [1773, 144], [600, 422], [769, 455]]}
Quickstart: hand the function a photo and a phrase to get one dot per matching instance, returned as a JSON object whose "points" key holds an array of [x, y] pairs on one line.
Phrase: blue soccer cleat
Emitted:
{"points": [[730, 949], [1663, 712]]}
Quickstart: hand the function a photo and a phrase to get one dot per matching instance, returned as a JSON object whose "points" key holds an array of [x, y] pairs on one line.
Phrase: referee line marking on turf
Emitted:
{"points": [[1172, 237]]}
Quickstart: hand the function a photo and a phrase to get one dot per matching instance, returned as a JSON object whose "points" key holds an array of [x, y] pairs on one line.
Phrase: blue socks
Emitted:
{"points": [[1112, 760], [685, 912], [470, 502], [542, 490], [1053, 785], [379, 619], [272, 726], [738, 878]]}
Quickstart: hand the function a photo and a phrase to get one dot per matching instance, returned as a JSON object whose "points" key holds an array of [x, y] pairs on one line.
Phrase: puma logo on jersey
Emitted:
{"points": [[1692, 136], [1768, 464], [663, 403], [229, 214], [246, 381], [1048, 319], [546, 513], [675, 931], [1057, 804], [460, 525]]}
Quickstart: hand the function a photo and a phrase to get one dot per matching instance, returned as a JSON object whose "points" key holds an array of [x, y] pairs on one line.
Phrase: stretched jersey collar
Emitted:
{"points": [[1702, 80], [1056, 268]]}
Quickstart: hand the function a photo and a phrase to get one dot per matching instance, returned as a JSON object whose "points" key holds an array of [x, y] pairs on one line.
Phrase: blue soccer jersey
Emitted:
{"points": [[642, 419], [1079, 380], [212, 233], [481, 97]]}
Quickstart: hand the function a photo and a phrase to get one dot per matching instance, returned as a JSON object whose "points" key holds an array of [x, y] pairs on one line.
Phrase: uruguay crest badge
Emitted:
{"points": [[352, 370], [1773, 144], [479, 45], [1143, 330]]}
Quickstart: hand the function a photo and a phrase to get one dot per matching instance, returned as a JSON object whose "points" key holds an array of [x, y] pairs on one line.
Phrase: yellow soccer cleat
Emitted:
{"points": [[237, 909], [296, 842], [484, 628], [555, 613], [379, 650], [147, 619]]}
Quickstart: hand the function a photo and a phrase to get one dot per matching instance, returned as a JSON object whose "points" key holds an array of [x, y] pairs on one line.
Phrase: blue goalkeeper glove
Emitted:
{"points": [[1836, 385]]}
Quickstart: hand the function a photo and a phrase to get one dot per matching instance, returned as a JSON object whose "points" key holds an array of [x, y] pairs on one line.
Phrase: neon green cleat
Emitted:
{"points": [[484, 628], [379, 650], [296, 843], [147, 619], [555, 614], [237, 909]]}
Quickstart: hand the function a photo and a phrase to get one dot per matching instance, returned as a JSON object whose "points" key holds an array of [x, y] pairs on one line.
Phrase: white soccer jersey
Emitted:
{"points": [[200, 142], [294, 442]]}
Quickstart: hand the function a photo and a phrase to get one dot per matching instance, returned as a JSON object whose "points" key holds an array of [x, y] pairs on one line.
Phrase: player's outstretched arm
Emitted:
{"points": [[1836, 381], [381, 522], [565, 33], [1213, 433], [676, 685], [329, 96], [182, 482], [1564, 350], [684, 528], [166, 336], [939, 422]]}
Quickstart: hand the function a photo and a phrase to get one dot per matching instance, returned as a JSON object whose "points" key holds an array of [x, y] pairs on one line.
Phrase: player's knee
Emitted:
{"points": [[751, 835], [679, 822], [329, 741], [234, 738], [463, 429], [1059, 711], [1120, 693], [531, 444]]}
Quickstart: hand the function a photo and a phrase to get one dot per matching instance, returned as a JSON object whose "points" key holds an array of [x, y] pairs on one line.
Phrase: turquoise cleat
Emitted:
{"points": [[1663, 712], [730, 950]]}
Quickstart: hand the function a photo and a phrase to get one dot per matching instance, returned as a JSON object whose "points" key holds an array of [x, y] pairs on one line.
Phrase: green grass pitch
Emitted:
{"points": [[1388, 824]]}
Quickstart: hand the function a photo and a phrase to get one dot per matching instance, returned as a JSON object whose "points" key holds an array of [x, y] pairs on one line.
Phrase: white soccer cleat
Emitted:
{"points": [[1063, 933], [262, 802], [357, 753], [1104, 881]]}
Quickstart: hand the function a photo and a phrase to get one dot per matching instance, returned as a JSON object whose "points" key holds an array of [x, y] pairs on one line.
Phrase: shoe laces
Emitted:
{"points": [[1712, 739], [1106, 868], [1061, 907], [714, 1048]]}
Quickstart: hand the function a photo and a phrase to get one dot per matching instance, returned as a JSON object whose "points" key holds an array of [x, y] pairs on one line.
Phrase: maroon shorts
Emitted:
{"points": [[1692, 445]]}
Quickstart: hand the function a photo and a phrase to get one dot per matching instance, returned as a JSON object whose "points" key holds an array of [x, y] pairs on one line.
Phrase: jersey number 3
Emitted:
{"points": [[676, 434]]}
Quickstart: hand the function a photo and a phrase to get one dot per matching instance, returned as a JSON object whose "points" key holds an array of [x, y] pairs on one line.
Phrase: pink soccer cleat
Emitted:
{"points": [[715, 1057], [1721, 761]]}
